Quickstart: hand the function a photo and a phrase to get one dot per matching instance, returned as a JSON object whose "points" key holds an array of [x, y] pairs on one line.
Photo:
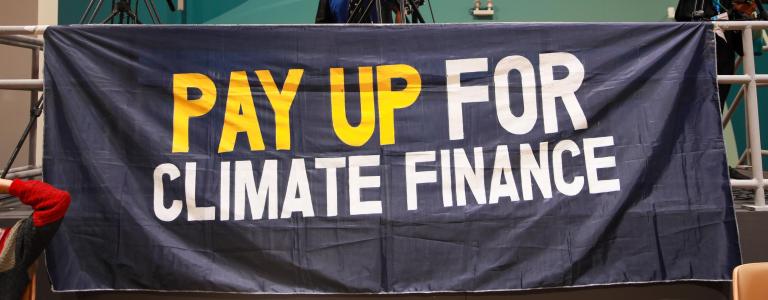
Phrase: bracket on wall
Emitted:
{"points": [[479, 11]]}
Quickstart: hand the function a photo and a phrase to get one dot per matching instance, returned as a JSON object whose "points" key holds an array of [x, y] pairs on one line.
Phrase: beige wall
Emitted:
{"points": [[14, 63]]}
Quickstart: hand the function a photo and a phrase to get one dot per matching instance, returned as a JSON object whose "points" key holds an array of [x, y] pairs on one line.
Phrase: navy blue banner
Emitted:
{"points": [[386, 159]]}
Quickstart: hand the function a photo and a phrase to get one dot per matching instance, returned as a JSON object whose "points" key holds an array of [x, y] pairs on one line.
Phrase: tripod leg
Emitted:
{"points": [[133, 16], [87, 9], [113, 9], [154, 11], [111, 17], [96, 11], [403, 12], [354, 12], [136, 8], [34, 114], [149, 11], [417, 18], [431, 13], [125, 5], [366, 12]]}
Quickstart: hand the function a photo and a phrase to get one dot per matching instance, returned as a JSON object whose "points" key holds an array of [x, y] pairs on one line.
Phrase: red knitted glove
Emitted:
{"points": [[50, 204]]}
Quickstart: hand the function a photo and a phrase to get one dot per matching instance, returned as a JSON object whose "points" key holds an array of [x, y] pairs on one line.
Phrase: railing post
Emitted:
{"points": [[753, 124], [32, 142]]}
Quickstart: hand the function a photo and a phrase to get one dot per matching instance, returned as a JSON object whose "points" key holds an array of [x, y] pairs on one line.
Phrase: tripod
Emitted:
{"points": [[360, 13], [34, 112], [121, 10]]}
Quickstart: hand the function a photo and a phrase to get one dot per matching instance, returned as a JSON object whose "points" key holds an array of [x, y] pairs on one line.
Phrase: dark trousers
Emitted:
{"points": [[726, 58]]}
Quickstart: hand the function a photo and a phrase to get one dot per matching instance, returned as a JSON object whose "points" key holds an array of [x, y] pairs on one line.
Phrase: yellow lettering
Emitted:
{"points": [[360, 134], [281, 102], [185, 108], [390, 100], [239, 98]]}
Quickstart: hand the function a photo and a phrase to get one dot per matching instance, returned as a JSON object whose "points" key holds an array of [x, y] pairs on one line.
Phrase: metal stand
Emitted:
{"points": [[356, 16], [360, 12], [15, 36], [121, 9], [34, 112]]}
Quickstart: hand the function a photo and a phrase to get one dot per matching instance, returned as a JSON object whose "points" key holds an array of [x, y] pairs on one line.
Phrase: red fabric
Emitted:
{"points": [[50, 204], [4, 237]]}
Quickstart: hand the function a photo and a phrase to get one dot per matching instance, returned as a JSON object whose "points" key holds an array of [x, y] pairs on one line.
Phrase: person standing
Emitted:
{"points": [[728, 42]]}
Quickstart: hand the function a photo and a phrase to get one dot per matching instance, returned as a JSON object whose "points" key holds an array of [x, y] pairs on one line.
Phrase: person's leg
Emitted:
{"points": [[725, 66], [726, 58]]}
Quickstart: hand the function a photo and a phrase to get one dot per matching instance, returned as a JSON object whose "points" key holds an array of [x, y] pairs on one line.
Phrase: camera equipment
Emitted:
{"points": [[698, 15], [121, 10], [360, 11], [356, 15], [412, 8], [698, 11]]}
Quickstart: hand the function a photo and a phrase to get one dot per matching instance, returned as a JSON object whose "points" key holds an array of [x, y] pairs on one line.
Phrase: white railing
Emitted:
{"points": [[749, 81], [18, 36]]}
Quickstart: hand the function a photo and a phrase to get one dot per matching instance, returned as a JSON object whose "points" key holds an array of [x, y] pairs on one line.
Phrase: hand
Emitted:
{"points": [[5, 185]]}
